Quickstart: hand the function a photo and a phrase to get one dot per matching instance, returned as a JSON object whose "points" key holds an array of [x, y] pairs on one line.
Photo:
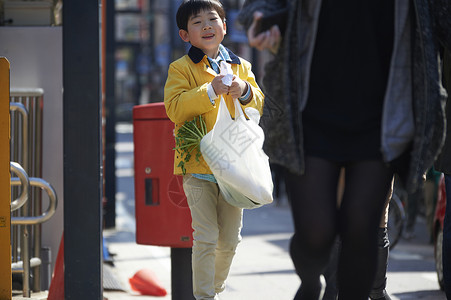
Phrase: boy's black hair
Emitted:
{"points": [[192, 7]]}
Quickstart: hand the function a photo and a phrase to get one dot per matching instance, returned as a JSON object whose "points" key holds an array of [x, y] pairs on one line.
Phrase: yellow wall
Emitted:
{"points": [[5, 190]]}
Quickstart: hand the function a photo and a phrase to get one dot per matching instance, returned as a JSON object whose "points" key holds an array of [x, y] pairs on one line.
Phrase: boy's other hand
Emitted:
{"points": [[238, 88], [219, 87], [269, 39]]}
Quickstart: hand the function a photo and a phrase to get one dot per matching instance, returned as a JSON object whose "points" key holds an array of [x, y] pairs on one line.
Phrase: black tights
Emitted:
{"points": [[317, 221]]}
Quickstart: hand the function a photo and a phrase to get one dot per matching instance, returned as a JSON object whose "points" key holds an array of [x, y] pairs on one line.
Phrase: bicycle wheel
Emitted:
{"points": [[396, 219]]}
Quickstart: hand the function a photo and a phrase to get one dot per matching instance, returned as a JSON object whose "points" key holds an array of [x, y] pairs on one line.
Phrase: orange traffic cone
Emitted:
{"points": [[146, 283], [56, 290]]}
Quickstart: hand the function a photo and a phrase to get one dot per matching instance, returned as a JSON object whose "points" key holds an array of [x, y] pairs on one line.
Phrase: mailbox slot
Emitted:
{"points": [[151, 191]]}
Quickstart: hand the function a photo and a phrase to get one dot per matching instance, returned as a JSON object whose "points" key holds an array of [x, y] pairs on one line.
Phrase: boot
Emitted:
{"points": [[378, 291], [330, 274]]}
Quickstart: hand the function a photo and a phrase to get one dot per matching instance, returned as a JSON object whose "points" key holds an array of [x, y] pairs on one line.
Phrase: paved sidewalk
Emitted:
{"points": [[262, 268]]}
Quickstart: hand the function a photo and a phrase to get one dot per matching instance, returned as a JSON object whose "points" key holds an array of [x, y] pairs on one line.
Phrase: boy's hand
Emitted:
{"points": [[238, 88], [219, 87]]}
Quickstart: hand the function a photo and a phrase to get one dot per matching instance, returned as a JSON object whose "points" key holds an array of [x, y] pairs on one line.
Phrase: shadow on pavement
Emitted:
{"points": [[425, 295]]}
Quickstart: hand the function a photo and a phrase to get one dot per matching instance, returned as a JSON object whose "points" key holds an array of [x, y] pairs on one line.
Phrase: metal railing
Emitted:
{"points": [[23, 180], [26, 107], [51, 209]]}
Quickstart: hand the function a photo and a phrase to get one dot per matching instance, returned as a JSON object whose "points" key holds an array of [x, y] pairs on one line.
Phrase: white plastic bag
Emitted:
{"points": [[233, 151]]}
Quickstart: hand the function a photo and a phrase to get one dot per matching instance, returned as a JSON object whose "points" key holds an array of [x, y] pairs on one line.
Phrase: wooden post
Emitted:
{"points": [[5, 194]]}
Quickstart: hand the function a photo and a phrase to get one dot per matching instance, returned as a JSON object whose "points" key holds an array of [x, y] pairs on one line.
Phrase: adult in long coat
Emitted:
{"points": [[376, 112]]}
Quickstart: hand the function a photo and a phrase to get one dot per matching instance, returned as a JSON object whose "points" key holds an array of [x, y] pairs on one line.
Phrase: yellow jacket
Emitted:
{"points": [[185, 96]]}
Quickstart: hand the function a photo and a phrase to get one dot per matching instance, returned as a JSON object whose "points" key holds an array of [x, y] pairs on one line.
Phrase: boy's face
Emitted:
{"points": [[205, 31]]}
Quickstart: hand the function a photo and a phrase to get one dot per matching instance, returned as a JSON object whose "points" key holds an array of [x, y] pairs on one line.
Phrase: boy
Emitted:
{"points": [[194, 88]]}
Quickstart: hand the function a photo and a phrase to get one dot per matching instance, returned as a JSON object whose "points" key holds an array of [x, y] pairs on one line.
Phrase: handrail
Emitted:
{"points": [[26, 92], [17, 106], [38, 182], [51, 209], [24, 182], [13, 106], [27, 131]]}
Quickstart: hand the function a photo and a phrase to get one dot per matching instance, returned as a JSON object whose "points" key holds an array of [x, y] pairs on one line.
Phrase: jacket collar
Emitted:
{"points": [[197, 55]]}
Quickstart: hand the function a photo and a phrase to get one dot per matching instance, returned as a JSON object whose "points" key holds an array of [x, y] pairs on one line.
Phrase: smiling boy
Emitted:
{"points": [[192, 88]]}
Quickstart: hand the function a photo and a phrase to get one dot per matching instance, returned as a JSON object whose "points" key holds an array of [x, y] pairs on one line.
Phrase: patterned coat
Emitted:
{"points": [[413, 114]]}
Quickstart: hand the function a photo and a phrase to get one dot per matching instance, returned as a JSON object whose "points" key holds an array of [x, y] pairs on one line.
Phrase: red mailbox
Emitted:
{"points": [[163, 217]]}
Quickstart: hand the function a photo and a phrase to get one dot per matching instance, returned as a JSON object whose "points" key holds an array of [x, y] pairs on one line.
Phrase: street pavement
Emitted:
{"points": [[262, 268]]}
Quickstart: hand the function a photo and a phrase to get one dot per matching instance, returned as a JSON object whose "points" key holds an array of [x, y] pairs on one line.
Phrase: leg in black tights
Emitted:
{"points": [[313, 198], [367, 185]]}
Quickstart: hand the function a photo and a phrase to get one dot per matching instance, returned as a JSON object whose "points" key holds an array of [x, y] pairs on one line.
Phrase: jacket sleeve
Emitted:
{"points": [[441, 15], [182, 102], [257, 100]]}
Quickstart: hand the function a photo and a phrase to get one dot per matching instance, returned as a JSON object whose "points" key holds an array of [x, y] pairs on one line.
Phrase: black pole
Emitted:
{"points": [[110, 132], [82, 151], [181, 274]]}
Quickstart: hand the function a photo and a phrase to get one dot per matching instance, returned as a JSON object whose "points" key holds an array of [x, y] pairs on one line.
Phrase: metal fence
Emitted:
{"points": [[26, 107]]}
